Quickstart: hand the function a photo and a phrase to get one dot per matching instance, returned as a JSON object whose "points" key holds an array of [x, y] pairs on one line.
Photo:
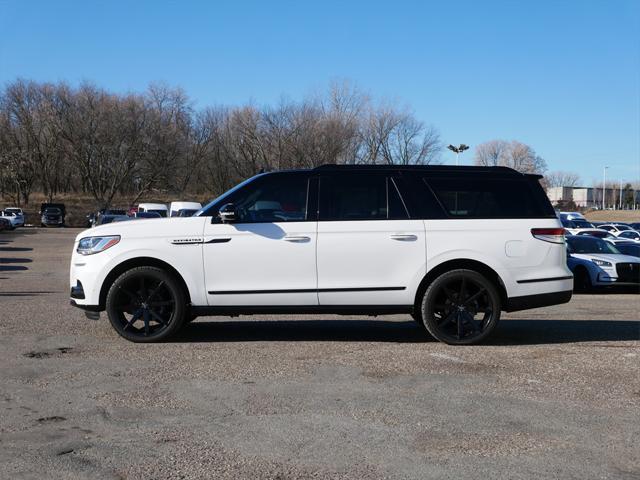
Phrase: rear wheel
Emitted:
{"points": [[461, 307], [146, 304]]}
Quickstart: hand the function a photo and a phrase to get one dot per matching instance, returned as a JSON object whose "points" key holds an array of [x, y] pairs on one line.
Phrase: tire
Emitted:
{"points": [[582, 281], [461, 307], [146, 304]]}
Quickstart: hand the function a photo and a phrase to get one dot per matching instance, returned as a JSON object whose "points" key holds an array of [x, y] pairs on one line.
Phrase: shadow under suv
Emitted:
{"points": [[451, 246]]}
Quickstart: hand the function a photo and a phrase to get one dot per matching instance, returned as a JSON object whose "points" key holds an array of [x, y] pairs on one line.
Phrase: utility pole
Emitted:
{"points": [[604, 187], [458, 150]]}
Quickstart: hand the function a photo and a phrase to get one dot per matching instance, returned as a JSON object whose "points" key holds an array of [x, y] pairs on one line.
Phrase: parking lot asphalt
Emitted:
{"points": [[554, 394]]}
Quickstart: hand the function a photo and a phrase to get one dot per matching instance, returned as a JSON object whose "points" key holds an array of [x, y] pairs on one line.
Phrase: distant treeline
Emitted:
{"points": [[55, 138]]}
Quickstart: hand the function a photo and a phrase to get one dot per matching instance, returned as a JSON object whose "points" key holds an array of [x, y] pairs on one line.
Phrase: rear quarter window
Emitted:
{"points": [[477, 197]]}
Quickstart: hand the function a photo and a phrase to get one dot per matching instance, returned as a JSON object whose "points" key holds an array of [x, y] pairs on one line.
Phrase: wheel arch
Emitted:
{"points": [[460, 263], [139, 262]]}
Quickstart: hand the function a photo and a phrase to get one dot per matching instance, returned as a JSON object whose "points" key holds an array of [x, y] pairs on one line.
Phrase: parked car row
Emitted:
{"points": [[143, 210], [601, 254]]}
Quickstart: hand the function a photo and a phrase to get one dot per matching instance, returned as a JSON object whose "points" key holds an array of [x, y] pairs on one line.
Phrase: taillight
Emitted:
{"points": [[552, 235]]}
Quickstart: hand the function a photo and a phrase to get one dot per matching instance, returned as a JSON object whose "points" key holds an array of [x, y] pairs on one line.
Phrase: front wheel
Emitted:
{"points": [[146, 304], [461, 307], [582, 281]]}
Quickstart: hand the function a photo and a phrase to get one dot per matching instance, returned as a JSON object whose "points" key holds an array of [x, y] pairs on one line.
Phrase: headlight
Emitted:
{"points": [[91, 245], [601, 263]]}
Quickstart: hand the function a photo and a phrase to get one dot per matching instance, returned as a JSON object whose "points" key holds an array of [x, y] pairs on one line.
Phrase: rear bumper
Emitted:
{"points": [[526, 302]]}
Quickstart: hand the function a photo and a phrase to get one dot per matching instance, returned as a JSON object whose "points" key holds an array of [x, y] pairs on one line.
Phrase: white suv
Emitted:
{"points": [[452, 246]]}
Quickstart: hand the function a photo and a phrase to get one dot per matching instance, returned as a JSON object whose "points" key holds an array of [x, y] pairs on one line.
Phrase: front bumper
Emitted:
{"points": [[87, 308]]}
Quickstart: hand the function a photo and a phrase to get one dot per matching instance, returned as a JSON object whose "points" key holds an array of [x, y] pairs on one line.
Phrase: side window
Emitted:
{"points": [[486, 198], [275, 198], [397, 208], [360, 197]]}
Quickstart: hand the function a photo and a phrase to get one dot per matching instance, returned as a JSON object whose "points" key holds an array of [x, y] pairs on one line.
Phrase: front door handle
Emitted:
{"points": [[404, 237], [297, 238]]}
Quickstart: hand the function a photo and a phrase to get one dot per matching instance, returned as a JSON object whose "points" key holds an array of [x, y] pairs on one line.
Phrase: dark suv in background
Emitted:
{"points": [[52, 214]]}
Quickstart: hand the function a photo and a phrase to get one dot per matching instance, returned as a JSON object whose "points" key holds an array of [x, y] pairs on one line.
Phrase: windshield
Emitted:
{"points": [[589, 245], [17, 211], [52, 211], [225, 194]]}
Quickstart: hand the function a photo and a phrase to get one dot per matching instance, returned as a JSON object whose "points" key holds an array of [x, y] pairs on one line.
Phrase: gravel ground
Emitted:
{"points": [[556, 394]]}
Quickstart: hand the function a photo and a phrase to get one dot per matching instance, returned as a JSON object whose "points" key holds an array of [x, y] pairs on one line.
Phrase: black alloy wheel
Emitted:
{"points": [[146, 304], [461, 307]]}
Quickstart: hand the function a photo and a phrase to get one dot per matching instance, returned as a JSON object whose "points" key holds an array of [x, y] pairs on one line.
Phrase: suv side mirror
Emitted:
{"points": [[227, 213]]}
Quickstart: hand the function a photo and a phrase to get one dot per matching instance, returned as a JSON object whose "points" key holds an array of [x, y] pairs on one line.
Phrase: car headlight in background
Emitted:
{"points": [[601, 263], [91, 245]]}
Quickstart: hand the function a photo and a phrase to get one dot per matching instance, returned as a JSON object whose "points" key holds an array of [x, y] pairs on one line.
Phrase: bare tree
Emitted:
{"points": [[491, 154], [59, 138], [561, 178], [514, 154], [103, 135]]}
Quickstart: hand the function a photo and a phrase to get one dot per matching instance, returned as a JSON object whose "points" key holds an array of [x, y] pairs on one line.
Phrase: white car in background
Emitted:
{"points": [[576, 225], [183, 209], [597, 263], [631, 235], [615, 228], [18, 213], [159, 208], [14, 219], [571, 216]]}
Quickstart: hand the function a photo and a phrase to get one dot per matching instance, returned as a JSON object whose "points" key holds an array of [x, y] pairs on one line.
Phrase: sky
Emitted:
{"points": [[561, 76]]}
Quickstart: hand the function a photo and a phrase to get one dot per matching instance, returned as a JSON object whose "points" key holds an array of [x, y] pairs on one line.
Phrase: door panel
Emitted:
{"points": [[261, 263], [267, 255], [370, 262], [369, 251]]}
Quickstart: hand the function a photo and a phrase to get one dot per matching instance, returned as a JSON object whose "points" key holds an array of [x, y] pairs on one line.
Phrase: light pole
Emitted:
{"points": [[604, 186], [620, 204], [459, 149]]}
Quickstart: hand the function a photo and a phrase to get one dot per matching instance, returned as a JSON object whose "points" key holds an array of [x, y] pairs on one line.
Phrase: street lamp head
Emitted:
{"points": [[463, 147], [453, 149]]}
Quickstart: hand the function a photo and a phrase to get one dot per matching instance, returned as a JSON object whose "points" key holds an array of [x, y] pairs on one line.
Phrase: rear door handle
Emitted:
{"points": [[404, 237], [297, 238]]}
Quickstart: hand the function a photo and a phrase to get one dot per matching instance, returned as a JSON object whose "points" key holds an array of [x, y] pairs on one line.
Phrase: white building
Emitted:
{"points": [[588, 197]]}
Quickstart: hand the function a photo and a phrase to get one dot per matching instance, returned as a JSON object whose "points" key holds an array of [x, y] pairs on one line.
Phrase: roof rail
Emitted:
{"points": [[441, 168]]}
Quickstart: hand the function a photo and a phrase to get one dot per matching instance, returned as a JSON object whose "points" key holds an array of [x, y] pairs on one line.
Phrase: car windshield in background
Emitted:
{"points": [[53, 211], [581, 224], [600, 234], [589, 245], [162, 213], [109, 218], [632, 249], [148, 215], [186, 212]]}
